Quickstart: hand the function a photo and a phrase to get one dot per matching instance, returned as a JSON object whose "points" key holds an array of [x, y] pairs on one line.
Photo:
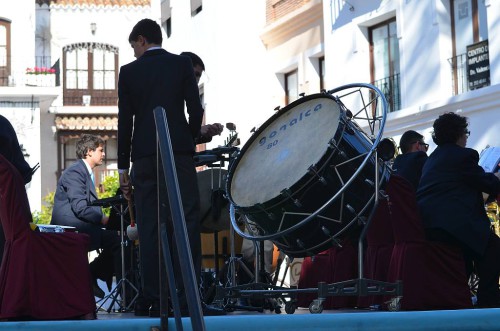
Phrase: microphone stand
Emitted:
{"points": [[123, 307]]}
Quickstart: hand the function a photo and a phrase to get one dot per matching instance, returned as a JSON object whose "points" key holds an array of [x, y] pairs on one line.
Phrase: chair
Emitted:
{"points": [[43, 276], [314, 269], [379, 245], [334, 265], [433, 274]]}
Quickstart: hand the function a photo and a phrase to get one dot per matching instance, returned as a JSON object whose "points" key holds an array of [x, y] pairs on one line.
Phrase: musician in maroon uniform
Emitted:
{"points": [[11, 150], [451, 203]]}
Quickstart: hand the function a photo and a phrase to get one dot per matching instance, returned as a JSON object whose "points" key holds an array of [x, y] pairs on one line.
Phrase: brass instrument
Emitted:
{"points": [[493, 212]]}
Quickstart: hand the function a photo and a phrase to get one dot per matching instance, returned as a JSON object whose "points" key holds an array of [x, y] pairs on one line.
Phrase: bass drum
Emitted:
{"points": [[214, 206], [295, 163]]}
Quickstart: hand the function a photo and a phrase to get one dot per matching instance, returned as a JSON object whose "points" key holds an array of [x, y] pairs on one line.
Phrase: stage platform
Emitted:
{"points": [[338, 320]]}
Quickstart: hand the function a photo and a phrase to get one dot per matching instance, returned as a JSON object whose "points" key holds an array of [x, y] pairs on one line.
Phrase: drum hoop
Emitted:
{"points": [[369, 154], [235, 162]]}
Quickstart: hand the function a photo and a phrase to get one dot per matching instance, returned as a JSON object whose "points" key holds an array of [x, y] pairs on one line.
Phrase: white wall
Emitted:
{"points": [[25, 119], [425, 46], [113, 25], [225, 34]]}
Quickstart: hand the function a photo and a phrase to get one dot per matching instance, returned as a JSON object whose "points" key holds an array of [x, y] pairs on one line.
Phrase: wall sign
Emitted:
{"points": [[478, 65]]}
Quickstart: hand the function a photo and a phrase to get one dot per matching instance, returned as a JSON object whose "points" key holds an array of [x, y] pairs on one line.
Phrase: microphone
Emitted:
{"points": [[132, 233]]}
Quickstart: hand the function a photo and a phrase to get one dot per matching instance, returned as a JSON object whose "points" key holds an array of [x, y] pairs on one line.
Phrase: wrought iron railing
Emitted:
{"points": [[94, 100], [459, 81], [390, 87]]}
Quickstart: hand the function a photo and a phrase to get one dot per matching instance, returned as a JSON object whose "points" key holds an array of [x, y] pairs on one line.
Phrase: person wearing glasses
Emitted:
{"points": [[450, 200], [414, 154]]}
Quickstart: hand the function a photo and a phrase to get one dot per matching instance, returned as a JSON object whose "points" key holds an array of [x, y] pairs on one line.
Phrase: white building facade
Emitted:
{"points": [[428, 57], [263, 54], [59, 64], [432, 56]]}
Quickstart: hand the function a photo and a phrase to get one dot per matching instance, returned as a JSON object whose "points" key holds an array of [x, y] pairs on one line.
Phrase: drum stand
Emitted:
{"points": [[227, 297], [120, 287]]}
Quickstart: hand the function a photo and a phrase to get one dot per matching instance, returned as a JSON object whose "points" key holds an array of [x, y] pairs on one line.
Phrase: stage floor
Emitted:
{"points": [[302, 319]]}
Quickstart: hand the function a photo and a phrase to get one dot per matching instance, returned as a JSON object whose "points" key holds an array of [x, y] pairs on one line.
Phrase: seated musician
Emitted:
{"points": [[451, 203], [409, 164], [11, 150], [75, 191]]}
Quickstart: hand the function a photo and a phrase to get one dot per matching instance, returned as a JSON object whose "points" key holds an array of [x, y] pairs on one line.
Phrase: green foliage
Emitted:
{"points": [[108, 188], [109, 185], [45, 215]]}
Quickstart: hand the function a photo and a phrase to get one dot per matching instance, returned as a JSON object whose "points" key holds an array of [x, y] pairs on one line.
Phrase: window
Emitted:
{"points": [[167, 27], [469, 26], [77, 71], [384, 49], [90, 69], [291, 86], [104, 70], [4, 52], [166, 17], [196, 7]]}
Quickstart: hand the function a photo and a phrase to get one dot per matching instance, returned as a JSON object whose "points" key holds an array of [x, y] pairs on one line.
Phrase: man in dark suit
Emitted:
{"points": [[158, 78], [409, 164], [452, 207], [207, 131], [10, 149], [75, 190]]}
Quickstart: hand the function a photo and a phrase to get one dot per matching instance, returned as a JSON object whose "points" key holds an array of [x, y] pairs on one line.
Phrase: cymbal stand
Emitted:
{"points": [[120, 287]]}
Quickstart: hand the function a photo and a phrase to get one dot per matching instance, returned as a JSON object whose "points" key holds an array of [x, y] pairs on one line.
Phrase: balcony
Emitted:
{"points": [[37, 71], [390, 87]]}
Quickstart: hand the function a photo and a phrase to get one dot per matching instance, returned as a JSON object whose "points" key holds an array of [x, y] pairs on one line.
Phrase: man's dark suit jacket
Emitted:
{"points": [[75, 190], [409, 166], [450, 195], [140, 92], [10, 149]]}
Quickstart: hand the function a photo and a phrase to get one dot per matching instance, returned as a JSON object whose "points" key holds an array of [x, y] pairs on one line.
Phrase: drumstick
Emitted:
{"points": [[132, 229]]}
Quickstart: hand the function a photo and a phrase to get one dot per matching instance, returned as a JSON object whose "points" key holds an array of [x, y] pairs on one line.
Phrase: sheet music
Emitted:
{"points": [[489, 159]]}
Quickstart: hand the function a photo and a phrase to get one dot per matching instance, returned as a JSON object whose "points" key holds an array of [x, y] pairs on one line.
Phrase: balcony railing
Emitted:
{"points": [[459, 82], [90, 100], [36, 71], [390, 87]]}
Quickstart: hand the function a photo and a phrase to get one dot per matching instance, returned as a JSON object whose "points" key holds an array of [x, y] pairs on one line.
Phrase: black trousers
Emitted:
{"points": [[144, 180], [110, 262]]}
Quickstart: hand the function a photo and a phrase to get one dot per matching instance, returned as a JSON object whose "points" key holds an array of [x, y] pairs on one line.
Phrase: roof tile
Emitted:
{"points": [[82, 122], [120, 3]]}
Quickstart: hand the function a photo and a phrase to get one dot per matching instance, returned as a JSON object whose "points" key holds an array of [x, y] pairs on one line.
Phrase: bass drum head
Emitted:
{"points": [[214, 206], [280, 154]]}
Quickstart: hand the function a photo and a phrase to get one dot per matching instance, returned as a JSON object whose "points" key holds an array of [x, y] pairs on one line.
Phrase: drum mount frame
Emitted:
{"points": [[226, 296], [356, 287]]}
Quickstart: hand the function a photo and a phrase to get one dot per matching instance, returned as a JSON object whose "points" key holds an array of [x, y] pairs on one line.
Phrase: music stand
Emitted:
{"points": [[123, 307]]}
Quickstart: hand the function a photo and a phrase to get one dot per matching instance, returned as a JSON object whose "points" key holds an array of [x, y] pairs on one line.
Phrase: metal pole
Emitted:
{"points": [[179, 225], [124, 297]]}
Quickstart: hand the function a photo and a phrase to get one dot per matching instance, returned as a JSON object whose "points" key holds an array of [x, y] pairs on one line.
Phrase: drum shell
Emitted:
{"points": [[314, 189]]}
